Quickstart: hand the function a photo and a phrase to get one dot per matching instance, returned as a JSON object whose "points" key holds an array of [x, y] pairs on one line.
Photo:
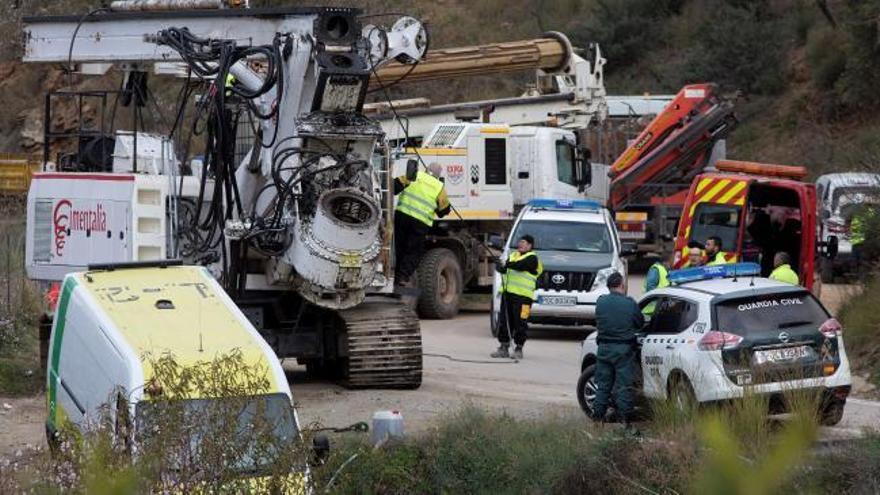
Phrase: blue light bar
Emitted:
{"points": [[565, 204], [708, 272]]}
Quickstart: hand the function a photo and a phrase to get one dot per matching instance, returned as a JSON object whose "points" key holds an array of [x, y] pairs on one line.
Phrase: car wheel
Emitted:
{"points": [[832, 412], [586, 389], [493, 318], [681, 394]]}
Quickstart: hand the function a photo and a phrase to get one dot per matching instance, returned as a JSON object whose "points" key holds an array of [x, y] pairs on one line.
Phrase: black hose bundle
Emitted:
{"points": [[211, 59]]}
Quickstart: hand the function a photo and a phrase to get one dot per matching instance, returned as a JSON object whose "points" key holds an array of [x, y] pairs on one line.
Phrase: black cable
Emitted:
{"points": [[79, 24], [473, 361]]}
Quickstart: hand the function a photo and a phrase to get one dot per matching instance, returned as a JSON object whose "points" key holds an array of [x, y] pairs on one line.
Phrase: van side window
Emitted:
{"points": [[496, 161], [565, 163]]}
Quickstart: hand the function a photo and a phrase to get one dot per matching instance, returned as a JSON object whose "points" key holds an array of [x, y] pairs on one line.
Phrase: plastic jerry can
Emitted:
{"points": [[387, 425]]}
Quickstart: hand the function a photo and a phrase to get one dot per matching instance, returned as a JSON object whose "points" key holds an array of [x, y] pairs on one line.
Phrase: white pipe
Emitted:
{"points": [[153, 5]]}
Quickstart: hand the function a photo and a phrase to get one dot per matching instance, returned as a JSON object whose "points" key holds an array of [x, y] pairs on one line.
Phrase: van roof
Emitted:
{"points": [[179, 310]]}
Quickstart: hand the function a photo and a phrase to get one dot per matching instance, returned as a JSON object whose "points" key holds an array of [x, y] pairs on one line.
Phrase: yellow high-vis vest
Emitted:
{"points": [[419, 198], [521, 283]]}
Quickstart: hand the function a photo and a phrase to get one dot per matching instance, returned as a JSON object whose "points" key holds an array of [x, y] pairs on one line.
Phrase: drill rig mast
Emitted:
{"points": [[295, 231]]}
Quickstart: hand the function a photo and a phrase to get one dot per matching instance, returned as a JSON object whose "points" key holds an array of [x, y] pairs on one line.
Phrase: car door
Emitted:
{"points": [[665, 345]]}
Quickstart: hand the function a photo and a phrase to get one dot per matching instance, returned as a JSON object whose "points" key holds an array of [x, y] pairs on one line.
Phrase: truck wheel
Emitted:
{"points": [[826, 271], [440, 285]]}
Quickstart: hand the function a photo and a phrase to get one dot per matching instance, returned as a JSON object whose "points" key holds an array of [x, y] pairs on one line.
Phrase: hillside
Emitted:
{"points": [[805, 71]]}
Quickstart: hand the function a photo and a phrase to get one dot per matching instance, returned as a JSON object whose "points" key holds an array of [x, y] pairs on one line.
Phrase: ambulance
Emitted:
{"points": [[757, 210], [111, 325]]}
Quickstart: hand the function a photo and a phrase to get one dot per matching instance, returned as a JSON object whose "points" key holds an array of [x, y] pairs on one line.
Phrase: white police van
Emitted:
{"points": [[718, 331], [577, 242]]}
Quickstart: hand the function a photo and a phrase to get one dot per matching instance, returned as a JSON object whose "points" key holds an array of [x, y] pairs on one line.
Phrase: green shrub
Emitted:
{"points": [[826, 56], [739, 49], [861, 323]]}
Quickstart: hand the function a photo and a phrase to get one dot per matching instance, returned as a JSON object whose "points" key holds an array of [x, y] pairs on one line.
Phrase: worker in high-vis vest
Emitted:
{"points": [[658, 274], [714, 252], [519, 279], [421, 197], [782, 269]]}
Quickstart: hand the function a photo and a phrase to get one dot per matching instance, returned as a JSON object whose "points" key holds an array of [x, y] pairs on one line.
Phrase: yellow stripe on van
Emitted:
{"points": [[495, 130], [173, 310]]}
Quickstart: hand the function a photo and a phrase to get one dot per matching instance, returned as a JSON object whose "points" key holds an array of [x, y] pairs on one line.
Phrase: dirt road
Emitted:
{"points": [[542, 384]]}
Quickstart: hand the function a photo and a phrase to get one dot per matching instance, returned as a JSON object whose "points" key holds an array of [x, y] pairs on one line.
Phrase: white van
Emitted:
{"points": [[112, 324]]}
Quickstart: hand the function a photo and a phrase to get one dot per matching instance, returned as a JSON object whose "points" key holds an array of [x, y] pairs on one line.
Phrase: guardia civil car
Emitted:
{"points": [[719, 331]]}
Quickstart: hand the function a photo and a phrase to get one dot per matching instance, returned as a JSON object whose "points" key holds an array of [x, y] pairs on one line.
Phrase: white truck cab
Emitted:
{"points": [[578, 246]]}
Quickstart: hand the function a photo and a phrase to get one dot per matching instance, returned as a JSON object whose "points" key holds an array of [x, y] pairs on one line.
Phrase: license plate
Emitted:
{"points": [[557, 300], [783, 354]]}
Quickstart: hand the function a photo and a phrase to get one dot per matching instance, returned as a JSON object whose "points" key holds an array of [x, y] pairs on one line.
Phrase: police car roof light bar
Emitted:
{"points": [[729, 270], [564, 204]]}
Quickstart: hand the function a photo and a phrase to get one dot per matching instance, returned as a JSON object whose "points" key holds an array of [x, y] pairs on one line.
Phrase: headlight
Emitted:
{"points": [[602, 277]]}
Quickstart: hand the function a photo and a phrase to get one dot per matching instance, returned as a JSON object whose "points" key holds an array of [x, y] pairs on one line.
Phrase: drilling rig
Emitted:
{"points": [[298, 230]]}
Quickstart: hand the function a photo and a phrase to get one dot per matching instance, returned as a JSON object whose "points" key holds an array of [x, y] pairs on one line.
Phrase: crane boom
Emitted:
{"points": [[549, 54]]}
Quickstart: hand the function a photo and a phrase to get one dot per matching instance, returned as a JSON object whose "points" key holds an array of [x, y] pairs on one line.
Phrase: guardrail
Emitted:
{"points": [[15, 172]]}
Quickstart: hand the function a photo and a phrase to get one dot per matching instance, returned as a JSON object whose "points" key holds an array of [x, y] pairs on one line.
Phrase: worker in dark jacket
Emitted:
{"points": [[422, 196], [519, 279], [617, 320]]}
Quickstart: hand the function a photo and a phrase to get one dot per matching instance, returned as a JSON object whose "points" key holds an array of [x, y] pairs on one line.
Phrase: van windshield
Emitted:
{"points": [[845, 196], [771, 312], [564, 236], [193, 435]]}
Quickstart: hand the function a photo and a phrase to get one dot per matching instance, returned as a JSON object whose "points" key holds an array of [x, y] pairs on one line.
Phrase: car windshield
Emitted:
{"points": [[565, 236], [260, 427], [771, 312]]}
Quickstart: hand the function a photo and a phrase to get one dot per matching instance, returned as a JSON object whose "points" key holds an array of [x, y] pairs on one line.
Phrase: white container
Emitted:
{"points": [[387, 425]]}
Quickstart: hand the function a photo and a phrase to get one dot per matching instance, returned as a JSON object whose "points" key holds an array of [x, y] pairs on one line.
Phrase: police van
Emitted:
{"points": [[112, 325], [578, 245], [719, 331]]}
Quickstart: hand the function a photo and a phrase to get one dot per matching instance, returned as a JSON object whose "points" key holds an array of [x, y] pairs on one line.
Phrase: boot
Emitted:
{"points": [[502, 352], [517, 352]]}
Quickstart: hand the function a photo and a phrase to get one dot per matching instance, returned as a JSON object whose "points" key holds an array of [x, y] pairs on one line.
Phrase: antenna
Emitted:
{"points": [[734, 272], [201, 348]]}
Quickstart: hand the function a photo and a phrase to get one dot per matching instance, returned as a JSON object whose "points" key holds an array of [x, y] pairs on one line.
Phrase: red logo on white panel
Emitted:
{"points": [[66, 219]]}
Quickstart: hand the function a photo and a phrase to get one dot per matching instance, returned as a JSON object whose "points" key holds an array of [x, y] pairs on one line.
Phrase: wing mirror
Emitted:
{"points": [[825, 215], [496, 242], [628, 249], [830, 247]]}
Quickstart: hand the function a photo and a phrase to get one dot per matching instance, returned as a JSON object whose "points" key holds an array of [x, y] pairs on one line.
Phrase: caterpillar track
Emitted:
{"points": [[383, 345]]}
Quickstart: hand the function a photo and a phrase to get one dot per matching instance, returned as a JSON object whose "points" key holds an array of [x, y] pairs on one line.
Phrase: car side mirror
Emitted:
{"points": [[825, 215], [628, 249], [496, 242], [320, 450], [831, 246]]}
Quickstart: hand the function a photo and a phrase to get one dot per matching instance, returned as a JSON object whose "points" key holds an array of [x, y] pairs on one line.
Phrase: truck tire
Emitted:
{"points": [[440, 285], [826, 270]]}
